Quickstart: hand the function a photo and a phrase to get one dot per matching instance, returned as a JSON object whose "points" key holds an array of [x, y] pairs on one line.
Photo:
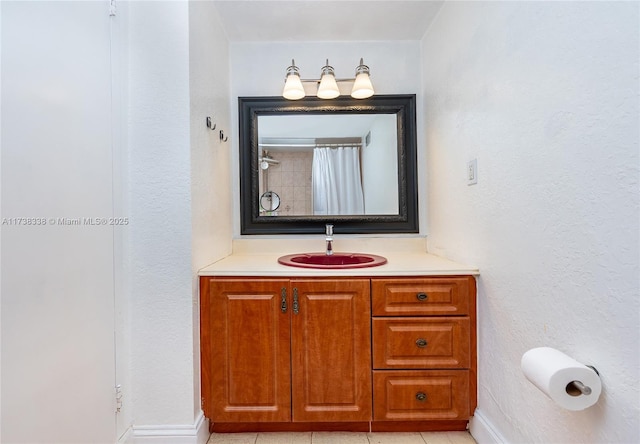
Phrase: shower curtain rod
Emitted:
{"points": [[310, 145]]}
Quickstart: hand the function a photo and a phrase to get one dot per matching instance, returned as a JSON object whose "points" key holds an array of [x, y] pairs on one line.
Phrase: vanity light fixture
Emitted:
{"points": [[328, 84], [293, 89], [328, 88], [362, 87]]}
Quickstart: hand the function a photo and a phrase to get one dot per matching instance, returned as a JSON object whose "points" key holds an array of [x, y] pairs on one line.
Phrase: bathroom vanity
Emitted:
{"points": [[383, 349]]}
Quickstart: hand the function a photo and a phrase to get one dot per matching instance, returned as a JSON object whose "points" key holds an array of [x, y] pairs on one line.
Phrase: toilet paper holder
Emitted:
{"points": [[577, 388]]}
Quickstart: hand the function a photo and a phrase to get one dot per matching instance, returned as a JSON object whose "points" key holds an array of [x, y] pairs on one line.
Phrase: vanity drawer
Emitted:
{"points": [[439, 342], [420, 395], [422, 296]]}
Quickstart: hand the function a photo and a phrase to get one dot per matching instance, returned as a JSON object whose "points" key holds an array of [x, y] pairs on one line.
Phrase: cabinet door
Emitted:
{"points": [[331, 350], [245, 350]]}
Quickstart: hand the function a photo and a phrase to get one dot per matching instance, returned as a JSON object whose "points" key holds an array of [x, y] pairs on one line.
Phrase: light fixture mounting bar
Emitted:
{"points": [[327, 85]]}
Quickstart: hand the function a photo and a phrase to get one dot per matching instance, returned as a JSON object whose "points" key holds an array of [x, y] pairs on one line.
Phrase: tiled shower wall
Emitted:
{"points": [[291, 180]]}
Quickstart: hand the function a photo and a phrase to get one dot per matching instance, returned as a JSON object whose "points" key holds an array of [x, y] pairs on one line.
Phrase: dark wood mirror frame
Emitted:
{"points": [[406, 221]]}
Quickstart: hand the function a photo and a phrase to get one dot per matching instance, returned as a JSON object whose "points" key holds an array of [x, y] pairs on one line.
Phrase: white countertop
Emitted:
{"points": [[405, 257]]}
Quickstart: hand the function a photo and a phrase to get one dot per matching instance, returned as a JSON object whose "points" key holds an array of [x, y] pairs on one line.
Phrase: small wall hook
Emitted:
{"points": [[210, 125], [223, 138]]}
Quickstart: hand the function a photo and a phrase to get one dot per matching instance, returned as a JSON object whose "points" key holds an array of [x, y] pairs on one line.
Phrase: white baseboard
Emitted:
{"points": [[198, 433], [483, 431]]}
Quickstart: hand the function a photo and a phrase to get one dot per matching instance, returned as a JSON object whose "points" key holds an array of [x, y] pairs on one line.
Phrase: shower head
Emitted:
{"points": [[266, 160]]}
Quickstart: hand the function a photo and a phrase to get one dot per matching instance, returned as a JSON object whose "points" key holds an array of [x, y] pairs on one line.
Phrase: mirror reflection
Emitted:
{"points": [[324, 165], [269, 202], [344, 161]]}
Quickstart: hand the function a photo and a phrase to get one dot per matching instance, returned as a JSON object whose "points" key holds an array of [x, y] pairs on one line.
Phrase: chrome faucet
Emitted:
{"points": [[329, 239]]}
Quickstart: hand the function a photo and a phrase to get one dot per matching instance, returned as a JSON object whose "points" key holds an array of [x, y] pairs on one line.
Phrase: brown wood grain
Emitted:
{"points": [[445, 296], [331, 350], [265, 370], [447, 342], [395, 395], [248, 375]]}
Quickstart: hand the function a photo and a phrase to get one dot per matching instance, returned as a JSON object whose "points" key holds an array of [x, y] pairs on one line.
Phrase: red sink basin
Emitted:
{"points": [[335, 261]]}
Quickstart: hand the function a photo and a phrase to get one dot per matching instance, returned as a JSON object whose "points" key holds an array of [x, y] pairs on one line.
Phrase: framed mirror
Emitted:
{"points": [[352, 163]]}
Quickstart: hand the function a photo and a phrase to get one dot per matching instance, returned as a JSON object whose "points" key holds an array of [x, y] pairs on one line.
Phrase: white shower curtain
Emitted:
{"points": [[337, 186]]}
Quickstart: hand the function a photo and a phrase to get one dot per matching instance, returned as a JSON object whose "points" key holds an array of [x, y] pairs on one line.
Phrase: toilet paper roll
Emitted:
{"points": [[553, 372]]}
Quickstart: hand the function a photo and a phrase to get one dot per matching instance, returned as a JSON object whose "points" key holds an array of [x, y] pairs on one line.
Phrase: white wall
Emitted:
{"points": [[160, 237], [119, 100], [545, 96], [380, 166], [258, 69], [211, 220], [67, 114], [58, 371], [179, 203]]}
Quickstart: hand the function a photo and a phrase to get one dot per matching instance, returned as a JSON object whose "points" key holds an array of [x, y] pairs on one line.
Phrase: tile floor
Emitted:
{"points": [[342, 438]]}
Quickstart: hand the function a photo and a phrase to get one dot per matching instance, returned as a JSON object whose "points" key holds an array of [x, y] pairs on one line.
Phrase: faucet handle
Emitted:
{"points": [[329, 230]]}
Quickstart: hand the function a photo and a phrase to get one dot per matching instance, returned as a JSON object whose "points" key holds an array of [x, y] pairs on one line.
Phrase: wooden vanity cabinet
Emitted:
{"points": [[331, 350], [245, 350], [380, 353], [424, 350], [282, 350]]}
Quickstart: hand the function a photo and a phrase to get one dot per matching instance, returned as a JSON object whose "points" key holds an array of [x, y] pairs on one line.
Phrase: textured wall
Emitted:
{"points": [[179, 197], [545, 96], [211, 220], [160, 241]]}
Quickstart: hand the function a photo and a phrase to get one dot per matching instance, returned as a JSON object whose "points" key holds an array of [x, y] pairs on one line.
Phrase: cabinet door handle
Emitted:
{"points": [[421, 396], [421, 343], [422, 297], [283, 300], [296, 305]]}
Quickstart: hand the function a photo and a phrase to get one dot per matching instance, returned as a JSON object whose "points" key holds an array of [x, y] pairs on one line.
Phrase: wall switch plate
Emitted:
{"points": [[472, 172]]}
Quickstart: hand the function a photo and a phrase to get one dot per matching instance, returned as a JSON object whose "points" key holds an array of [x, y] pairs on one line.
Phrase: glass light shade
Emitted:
{"points": [[293, 89], [328, 88], [362, 87]]}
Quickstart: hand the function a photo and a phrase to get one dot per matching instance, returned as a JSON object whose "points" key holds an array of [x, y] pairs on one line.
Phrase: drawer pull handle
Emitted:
{"points": [[422, 397], [421, 296], [421, 343]]}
